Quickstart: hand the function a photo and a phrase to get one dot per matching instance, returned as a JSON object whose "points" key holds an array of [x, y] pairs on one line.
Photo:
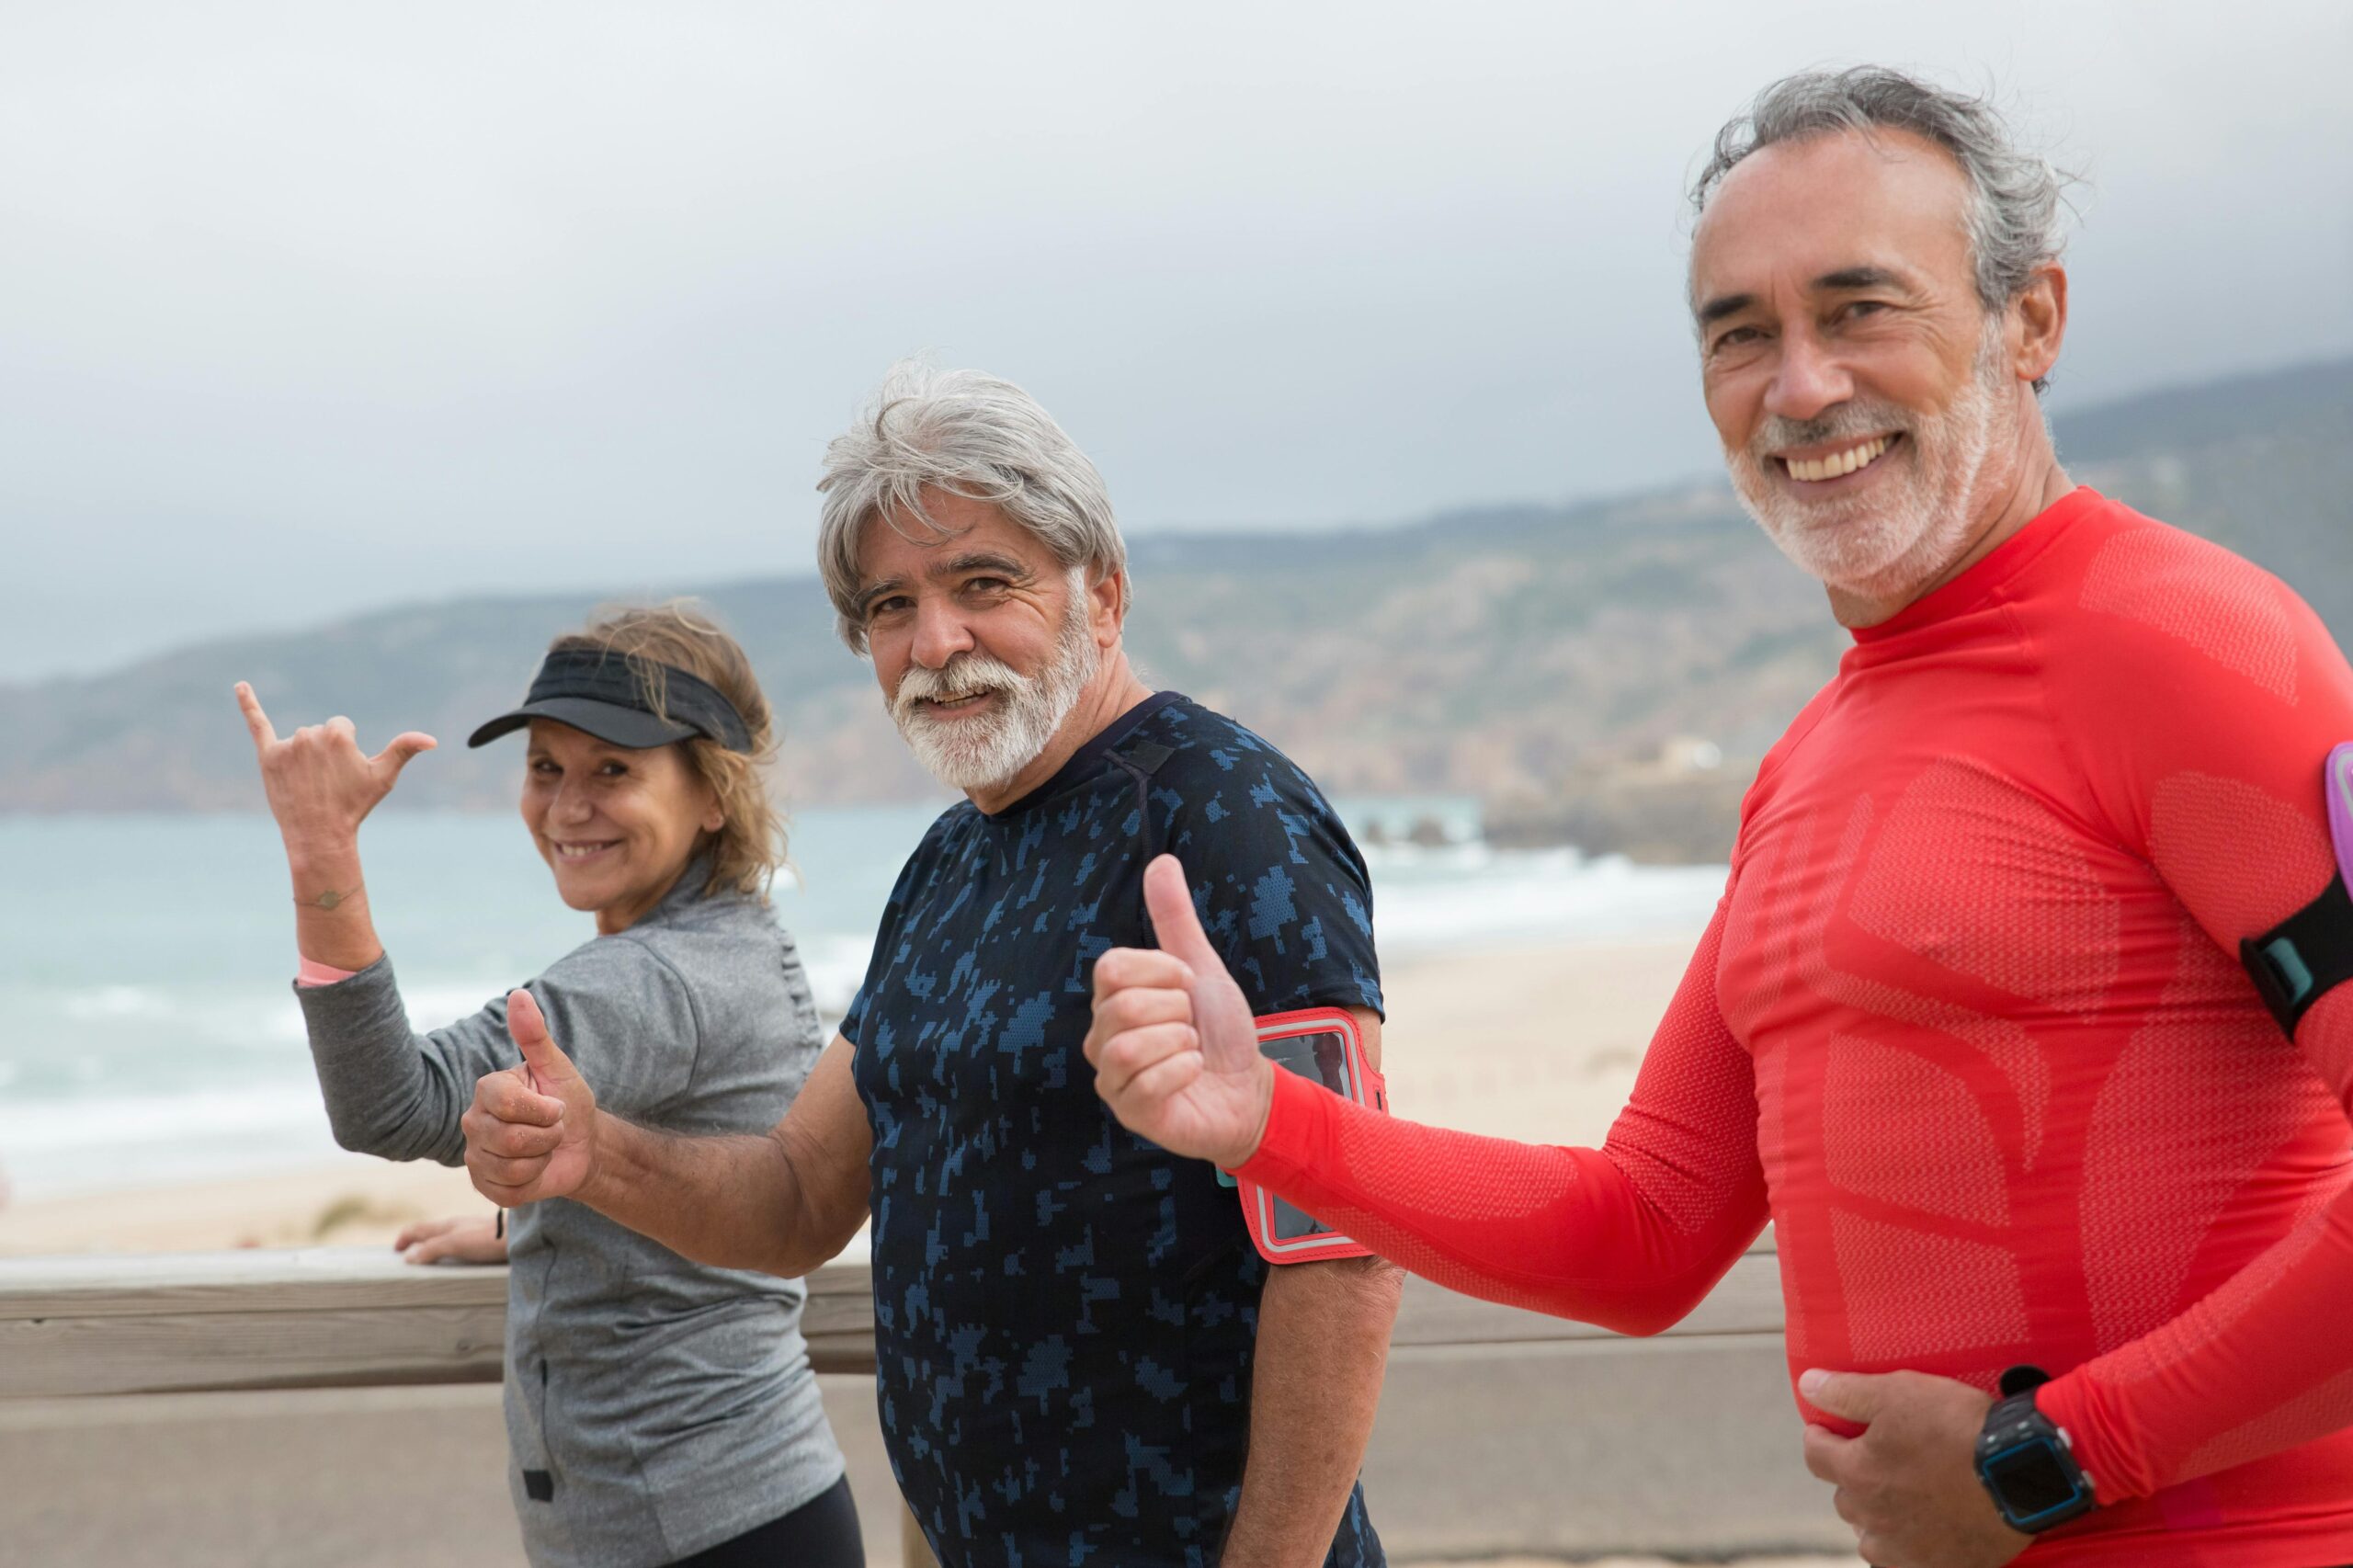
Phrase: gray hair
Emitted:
{"points": [[2014, 195], [972, 435]]}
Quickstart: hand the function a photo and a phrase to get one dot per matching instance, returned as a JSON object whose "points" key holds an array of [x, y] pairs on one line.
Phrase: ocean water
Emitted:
{"points": [[147, 1031]]}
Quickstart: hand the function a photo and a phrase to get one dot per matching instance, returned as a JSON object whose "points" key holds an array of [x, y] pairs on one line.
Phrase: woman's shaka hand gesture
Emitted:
{"points": [[320, 784]]}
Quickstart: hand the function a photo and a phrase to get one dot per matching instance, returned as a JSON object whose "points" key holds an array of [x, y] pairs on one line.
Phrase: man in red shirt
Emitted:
{"points": [[1969, 1026]]}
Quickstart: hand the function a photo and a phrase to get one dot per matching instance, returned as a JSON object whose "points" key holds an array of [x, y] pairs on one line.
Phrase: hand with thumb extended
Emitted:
{"points": [[531, 1132], [1175, 1047]]}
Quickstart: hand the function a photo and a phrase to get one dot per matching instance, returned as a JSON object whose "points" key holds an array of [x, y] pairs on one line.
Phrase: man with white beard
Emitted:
{"points": [[2022, 1019], [1081, 1356]]}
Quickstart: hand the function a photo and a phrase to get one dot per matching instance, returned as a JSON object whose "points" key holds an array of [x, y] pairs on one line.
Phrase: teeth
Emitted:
{"points": [[1838, 463]]}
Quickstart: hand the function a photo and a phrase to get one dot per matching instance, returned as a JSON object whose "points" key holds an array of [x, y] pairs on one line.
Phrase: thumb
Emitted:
{"points": [[389, 762], [1176, 925], [552, 1069], [1221, 1013], [1853, 1395]]}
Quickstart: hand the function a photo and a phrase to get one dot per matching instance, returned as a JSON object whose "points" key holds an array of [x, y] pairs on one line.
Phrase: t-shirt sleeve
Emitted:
{"points": [[1281, 887], [2201, 701]]}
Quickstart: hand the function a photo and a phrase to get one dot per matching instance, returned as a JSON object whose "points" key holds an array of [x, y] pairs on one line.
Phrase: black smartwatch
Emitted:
{"points": [[2026, 1463]]}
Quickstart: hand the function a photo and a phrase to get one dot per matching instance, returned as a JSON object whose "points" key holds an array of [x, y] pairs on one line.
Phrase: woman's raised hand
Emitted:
{"points": [[321, 785]]}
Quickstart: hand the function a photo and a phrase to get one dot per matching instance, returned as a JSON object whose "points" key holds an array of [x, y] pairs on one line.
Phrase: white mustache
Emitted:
{"points": [[967, 674]]}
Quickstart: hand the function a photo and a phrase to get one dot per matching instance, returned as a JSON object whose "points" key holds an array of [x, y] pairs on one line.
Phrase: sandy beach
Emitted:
{"points": [[1536, 1042]]}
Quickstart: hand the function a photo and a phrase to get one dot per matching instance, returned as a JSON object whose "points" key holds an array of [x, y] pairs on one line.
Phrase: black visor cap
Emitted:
{"points": [[599, 693]]}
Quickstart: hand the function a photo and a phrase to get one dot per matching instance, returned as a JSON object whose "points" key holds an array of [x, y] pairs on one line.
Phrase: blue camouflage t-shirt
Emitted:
{"points": [[1063, 1313]]}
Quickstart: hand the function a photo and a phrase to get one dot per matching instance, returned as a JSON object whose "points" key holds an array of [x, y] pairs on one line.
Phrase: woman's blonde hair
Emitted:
{"points": [[747, 849]]}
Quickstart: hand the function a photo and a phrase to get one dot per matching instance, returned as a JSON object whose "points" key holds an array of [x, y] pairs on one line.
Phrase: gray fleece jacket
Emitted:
{"points": [[655, 1406]]}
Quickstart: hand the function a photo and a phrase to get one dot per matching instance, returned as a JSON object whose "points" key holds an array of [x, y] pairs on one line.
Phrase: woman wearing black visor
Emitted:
{"points": [[657, 1411]]}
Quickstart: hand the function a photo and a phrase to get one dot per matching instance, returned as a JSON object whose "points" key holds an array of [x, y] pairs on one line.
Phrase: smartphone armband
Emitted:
{"points": [[2309, 954], [1324, 1044]]}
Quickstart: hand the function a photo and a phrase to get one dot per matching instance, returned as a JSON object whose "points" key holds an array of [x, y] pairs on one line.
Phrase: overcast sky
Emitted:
{"points": [[309, 308]]}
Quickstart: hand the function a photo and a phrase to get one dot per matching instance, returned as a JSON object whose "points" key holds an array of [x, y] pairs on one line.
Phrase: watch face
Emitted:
{"points": [[2031, 1480]]}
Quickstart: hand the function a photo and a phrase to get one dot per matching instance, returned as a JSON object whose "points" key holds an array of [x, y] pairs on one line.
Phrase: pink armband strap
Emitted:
{"points": [[1323, 1046], [312, 973]]}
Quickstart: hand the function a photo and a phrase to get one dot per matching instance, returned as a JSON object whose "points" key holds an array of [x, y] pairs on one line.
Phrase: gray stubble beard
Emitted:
{"points": [[1886, 554]]}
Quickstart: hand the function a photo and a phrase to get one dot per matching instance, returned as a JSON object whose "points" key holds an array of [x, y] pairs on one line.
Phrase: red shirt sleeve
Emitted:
{"points": [[2201, 700], [1632, 1235]]}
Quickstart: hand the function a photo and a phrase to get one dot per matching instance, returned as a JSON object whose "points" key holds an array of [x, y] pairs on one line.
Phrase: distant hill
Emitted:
{"points": [[1494, 652]]}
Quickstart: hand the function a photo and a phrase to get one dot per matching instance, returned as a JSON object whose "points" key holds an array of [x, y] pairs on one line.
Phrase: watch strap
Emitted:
{"points": [[2025, 1461]]}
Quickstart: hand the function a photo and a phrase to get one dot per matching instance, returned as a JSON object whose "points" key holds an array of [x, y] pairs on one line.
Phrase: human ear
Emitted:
{"points": [[1109, 610], [2041, 313]]}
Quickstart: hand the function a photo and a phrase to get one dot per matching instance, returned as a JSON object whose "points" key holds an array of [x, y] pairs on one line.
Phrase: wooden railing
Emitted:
{"points": [[339, 1317], [1500, 1430], [328, 1317]]}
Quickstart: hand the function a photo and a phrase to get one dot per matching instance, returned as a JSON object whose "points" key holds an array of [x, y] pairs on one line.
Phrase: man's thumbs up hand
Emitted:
{"points": [[531, 1132], [1175, 1049], [547, 1068]]}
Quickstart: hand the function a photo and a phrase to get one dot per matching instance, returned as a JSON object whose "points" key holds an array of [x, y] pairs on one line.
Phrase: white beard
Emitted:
{"points": [[986, 750], [1889, 545]]}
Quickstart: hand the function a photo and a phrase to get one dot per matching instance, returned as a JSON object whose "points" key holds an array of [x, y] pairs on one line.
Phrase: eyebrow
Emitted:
{"points": [[1849, 279], [1846, 281], [1724, 305], [954, 567], [980, 561]]}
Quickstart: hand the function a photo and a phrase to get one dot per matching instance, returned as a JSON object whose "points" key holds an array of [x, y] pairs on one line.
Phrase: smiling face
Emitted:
{"points": [[616, 826], [1870, 408], [982, 641]]}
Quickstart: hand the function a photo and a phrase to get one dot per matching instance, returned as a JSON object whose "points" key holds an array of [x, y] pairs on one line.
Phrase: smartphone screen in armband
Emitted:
{"points": [[1323, 1044]]}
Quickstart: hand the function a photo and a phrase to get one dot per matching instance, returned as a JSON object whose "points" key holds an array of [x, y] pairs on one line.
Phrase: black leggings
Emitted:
{"points": [[820, 1533]]}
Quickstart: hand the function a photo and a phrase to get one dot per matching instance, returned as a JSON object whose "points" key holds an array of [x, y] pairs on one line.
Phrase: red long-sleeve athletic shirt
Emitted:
{"points": [[1970, 1029]]}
